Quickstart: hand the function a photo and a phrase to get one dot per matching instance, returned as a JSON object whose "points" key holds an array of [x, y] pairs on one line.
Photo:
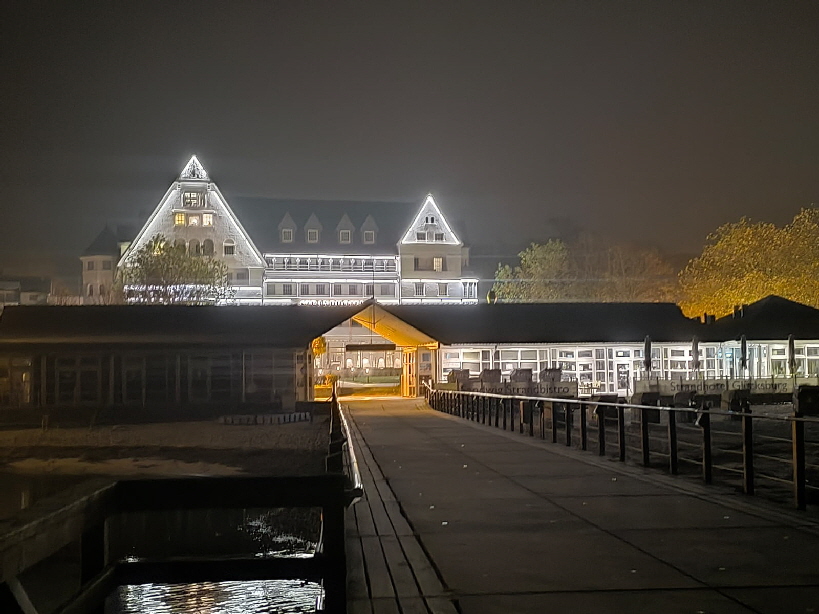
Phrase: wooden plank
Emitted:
{"points": [[399, 523], [384, 490], [385, 606], [350, 524], [359, 606], [383, 526], [356, 575], [425, 574], [380, 583], [441, 605], [364, 518], [402, 577], [412, 605]]}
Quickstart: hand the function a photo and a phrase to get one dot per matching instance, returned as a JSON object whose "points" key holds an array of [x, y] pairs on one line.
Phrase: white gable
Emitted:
{"points": [[193, 210], [430, 223]]}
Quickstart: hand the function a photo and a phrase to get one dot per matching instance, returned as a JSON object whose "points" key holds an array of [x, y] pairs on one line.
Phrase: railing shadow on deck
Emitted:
{"points": [[84, 515], [748, 447]]}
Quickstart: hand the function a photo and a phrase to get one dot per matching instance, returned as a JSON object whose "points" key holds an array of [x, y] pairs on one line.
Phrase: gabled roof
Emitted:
{"points": [[429, 210], [194, 170], [549, 322], [106, 243], [263, 216], [169, 325], [770, 318]]}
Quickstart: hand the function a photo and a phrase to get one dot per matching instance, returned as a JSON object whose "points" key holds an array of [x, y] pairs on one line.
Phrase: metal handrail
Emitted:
{"points": [[356, 490]]}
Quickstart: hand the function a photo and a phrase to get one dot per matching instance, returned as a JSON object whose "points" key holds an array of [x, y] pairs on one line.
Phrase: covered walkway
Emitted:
{"points": [[511, 524]]}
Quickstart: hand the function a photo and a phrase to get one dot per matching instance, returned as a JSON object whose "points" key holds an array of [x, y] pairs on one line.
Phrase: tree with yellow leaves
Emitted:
{"points": [[746, 261]]}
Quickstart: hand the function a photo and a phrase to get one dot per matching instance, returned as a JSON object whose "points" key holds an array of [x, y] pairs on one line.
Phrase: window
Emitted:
{"points": [[90, 290], [312, 235], [242, 276], [438, 264], [287, 235], [287, 288], [106, 265], [89, 266], [321, 289], [102, 289], [439, 236], [304, 289], [419, 289], [207, 219], [192, 199], [368, 289], [369, 236], [430, 219], [230, 277], [193, 248], [420, 236], [345, 236], [193, 220], [443, 289], [229, 248], [353, 289], [179, 219], [387, 290], [207, 247], [336, 289]]}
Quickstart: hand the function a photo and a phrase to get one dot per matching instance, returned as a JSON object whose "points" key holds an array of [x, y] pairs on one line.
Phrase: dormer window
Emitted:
{"points": [[439, 236], [207, 219], [179, 219], [345, 236], [430, 219], [193, 199], [193, 220], [312, 235], [420, 236], [287, 235], [369, 236]]}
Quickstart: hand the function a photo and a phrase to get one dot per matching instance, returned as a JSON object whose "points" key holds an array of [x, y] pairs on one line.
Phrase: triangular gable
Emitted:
{"points": [[430, 220], [226, 224], [392, 328], [345, 223], [287, 222], [313, 223]]}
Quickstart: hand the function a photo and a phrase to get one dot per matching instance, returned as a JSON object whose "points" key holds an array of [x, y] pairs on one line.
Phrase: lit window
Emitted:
{"points": [[438, 264], [369, 236], [179, 219], [207, 219], [230, 248], [193, 220], [90, 265], [345, 236], [420, 236], [287, 235], [443, 289], [192, 199], [312, 235], [419, 289], [439, 236]]}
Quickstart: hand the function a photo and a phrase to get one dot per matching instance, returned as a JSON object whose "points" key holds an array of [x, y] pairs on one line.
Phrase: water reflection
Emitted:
{"points": [[260, 597], [20, 491]]}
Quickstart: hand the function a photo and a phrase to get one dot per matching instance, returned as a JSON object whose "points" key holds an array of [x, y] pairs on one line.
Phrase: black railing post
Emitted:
{"points": [[601, 430], [484, 417], [645, 442], [335, 580], [798, 442], [584, 436], [747, 451], [554, 422], [705, 424], [543, 419], [511, 414], [621, 433], [521, 416], [532, 406], [672, 442], [501, 406], [569, 426], [497, 415]]}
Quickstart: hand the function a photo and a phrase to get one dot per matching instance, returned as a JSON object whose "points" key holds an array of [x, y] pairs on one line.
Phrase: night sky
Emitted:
{"points": [[654, 121]]}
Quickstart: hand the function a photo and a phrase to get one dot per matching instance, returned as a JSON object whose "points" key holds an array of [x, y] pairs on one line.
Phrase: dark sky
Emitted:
{"points": [[650, 120]]}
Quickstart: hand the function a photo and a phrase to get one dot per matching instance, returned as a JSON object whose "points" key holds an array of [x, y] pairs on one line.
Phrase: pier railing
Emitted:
{"points": [[751, 451], [82, 517]]}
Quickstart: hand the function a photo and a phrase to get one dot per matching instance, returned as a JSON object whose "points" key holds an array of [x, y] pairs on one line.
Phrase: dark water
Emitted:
{"points": [[261, 597], [292, 532]]}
